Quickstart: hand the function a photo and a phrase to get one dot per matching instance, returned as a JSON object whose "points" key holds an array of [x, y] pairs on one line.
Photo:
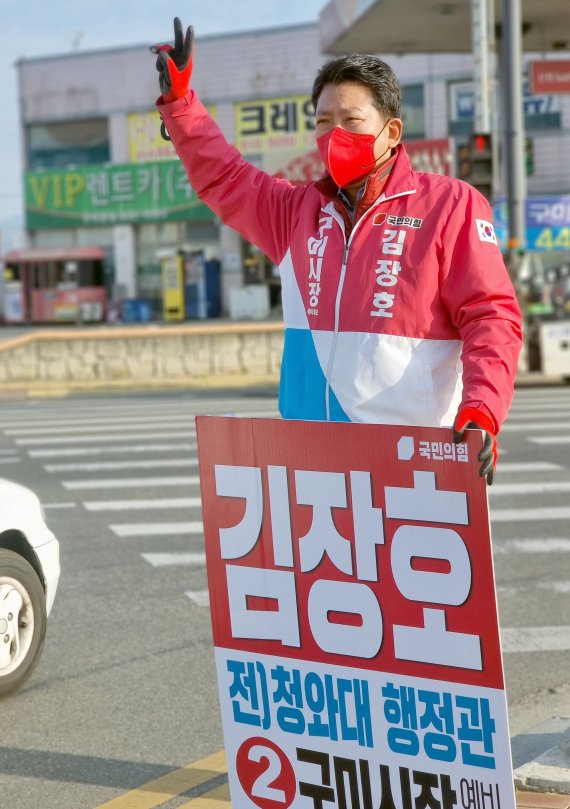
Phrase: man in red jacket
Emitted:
{"points": [[397, 304]]}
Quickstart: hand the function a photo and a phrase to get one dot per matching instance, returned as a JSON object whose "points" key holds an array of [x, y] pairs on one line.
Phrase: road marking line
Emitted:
{"points": [[10, 460], [112, 450], [161, 529], [200, 597], [77, 421], [217, 798], [524, 514], [59, 505], [102, 428], [169, 786], [558, 414], [547, 545], [143, 505], [529, 426], [175, 559], [536, 639], [561, 587], [531, 466], [549, 439], [9, 451], [128, 483], [539, 407], [534, 487], [164, 463], [103, 439]]}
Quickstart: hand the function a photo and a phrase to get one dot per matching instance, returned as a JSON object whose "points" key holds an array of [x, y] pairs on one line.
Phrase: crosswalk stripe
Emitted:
{"points": [[561, 587], [538, 407], [143, 505], [54, 425], [103, 439], [101, 428], [164, 463], [200, 597], [530, 466], [114, 449], [549, 439], [175, 559], [146, 529], [534, 487], [93, 409], [530, 426], [536, 545], [130, 483], [526, 514], [522, 416], [535, 639]]}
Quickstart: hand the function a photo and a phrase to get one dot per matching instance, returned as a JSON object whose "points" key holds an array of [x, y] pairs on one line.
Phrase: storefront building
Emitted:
{"points": [[99, 175]]}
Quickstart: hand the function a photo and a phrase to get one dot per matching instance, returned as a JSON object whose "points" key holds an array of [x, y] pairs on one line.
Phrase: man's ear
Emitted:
{"points": [[395, 128]]}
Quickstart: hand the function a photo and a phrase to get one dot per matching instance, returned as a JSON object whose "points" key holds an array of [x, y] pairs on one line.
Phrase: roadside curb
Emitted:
{"points": [[543, 757], [550, 772]]}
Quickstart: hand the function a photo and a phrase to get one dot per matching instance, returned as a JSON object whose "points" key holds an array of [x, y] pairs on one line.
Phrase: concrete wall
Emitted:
{"points": [[191, 356]]}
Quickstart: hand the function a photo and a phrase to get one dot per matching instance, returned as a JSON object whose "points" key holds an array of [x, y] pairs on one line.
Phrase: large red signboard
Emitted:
{"points": [[354, 616], [551, 76]]}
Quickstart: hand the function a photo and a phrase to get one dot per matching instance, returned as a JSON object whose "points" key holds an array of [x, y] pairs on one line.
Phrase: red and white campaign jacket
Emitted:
{"points": [[397, 319]]}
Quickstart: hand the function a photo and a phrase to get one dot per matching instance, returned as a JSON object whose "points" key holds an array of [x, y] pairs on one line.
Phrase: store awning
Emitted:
{"points": [[432, 26], [39, 254]]}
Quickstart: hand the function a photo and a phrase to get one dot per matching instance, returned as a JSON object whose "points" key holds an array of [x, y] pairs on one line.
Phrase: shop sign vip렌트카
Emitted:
{"points": [[354, 616], [128, 193]]}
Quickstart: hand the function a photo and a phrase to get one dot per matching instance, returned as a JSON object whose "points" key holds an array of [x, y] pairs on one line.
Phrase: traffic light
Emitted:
{"points": [[481, 176]]}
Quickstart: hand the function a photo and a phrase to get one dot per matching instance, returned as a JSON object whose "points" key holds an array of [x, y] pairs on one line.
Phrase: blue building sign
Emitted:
{"points": [[547, 223]]}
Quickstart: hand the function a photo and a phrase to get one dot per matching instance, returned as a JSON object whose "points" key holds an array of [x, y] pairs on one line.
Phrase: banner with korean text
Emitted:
{"points": [[354, 616]]}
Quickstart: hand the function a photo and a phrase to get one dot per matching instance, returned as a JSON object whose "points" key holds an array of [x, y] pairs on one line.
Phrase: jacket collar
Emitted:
{"points": [[400, 180]]}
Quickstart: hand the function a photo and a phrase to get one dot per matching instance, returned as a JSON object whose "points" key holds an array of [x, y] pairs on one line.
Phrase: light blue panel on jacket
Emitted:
{"points": [[302, 389]]}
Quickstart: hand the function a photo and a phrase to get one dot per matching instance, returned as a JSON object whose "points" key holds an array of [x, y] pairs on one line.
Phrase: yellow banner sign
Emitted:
{"points": [[275, 123], [144, 138]]}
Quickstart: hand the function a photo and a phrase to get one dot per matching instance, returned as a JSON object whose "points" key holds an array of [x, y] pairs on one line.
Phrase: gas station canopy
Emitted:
{"points": [[432, 26]]}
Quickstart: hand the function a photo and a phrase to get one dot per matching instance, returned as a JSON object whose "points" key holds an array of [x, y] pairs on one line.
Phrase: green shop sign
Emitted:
{"points": [[129, 193]]}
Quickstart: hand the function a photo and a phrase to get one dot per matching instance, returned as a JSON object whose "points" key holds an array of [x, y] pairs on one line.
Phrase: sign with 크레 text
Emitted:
{"points": [[354, 616]]}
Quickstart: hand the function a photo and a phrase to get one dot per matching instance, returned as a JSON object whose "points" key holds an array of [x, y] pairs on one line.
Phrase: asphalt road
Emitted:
{"points": [[126, 688]]}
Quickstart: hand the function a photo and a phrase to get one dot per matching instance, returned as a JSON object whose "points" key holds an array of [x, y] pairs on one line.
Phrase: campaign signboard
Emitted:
{"points": [[354, 616]]}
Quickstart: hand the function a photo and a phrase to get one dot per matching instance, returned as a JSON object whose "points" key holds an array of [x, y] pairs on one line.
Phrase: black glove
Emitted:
{"points": [[174, 64], [475, 417]]}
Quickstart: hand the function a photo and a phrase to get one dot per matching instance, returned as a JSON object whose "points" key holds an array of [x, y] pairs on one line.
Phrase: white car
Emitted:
{"points": [[29, 573]]}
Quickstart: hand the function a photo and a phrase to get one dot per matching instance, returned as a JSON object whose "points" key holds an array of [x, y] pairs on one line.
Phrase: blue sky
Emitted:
{"points": [[38, 28]]}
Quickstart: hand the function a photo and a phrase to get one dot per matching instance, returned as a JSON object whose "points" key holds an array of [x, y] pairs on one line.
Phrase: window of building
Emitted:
{"points": [[70, 143], [413, 111]]}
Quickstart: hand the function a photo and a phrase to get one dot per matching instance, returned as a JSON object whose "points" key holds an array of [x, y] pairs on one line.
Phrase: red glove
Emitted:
{"points": [[174, 64], [480, 418]]}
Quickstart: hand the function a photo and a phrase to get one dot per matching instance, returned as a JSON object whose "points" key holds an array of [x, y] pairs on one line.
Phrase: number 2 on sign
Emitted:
{"points": [[265, 773]]}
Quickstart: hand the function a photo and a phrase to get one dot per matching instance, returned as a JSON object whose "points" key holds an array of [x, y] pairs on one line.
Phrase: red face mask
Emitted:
{"points": [[348, 156]]}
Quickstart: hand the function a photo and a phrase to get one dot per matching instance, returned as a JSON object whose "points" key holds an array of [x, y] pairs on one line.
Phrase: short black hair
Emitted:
{"points": [[371, 72]]}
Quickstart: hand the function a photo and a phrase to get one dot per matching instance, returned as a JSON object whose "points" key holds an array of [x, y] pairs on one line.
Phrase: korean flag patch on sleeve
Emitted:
{"points": [[486, 231]]}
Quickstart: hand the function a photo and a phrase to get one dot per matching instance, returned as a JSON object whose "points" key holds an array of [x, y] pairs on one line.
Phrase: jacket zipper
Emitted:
{"points": [[339, 293]]}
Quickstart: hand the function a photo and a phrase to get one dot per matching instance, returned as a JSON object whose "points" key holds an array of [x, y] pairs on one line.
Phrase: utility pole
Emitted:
{"points": [[481, 65], [511, 96], [484, 143]]}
